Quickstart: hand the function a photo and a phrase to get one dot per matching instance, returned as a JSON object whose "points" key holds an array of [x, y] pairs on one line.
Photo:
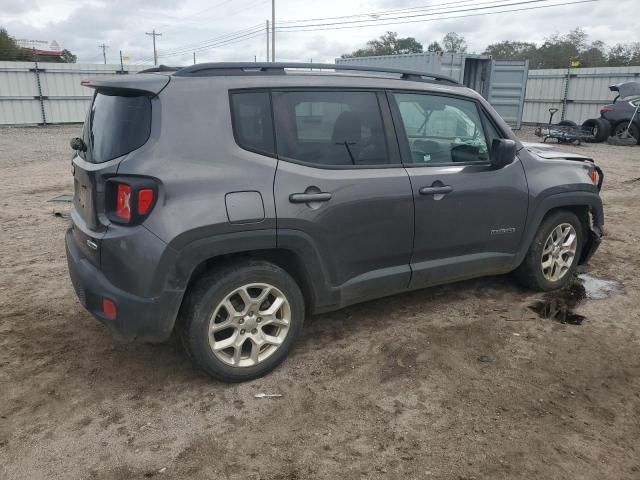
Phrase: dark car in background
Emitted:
{"points": [[623, 109]]}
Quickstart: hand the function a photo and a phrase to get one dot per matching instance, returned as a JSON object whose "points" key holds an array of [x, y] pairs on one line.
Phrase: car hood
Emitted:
{"points": [[549, 152]]}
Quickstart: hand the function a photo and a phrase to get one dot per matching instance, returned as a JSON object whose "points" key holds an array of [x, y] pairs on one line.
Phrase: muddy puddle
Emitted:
{"points": [[559, 306]]}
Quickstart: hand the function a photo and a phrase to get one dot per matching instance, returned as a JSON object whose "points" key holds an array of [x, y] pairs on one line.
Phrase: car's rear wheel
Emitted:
{"points": [[554, 253], [600, 129], [242, 321], [634, 131]]}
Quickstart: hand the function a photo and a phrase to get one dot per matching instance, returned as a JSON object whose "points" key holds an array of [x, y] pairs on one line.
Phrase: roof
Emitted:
{"points": [[231, 76], [262, 69]]}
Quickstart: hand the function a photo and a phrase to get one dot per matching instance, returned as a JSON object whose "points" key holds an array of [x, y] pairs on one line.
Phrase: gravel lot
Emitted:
{"points": [[456, 382]]}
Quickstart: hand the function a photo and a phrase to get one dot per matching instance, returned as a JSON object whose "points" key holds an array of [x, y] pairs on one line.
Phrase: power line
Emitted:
{"points": [[340, 26], [191, 46], [381, 13], [483, 6], [220, 43], [413, 17]]}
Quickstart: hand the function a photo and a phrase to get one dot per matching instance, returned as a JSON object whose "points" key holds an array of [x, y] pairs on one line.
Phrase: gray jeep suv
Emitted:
{"points": [[226, 202]]}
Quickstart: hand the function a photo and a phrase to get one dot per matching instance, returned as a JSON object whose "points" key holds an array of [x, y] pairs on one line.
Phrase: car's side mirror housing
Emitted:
{"points": [[503, 152]]}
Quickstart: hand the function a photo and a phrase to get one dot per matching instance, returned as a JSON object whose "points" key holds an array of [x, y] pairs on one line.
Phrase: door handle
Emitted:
{"points": [[443, 190], [309, 197]]}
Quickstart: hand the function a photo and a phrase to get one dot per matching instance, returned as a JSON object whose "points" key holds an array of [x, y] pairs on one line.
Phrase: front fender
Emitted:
{"points": [[552, 201]]}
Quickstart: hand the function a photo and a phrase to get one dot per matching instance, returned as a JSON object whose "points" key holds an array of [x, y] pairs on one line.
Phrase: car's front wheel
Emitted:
{"points": [[554, 253], [241, 322]]}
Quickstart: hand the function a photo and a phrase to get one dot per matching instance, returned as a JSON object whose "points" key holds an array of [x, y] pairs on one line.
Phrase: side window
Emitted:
{"points": [[330, 128], [252, 124], [442, 129]]}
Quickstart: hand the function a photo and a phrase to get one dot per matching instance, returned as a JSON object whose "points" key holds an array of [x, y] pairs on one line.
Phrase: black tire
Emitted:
{"points": [[600, 128], [207, 294], [634, 131], [530, 273], [567, 123]]}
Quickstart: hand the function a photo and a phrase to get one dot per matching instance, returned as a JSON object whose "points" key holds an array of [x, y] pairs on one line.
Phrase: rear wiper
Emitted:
{"points": [[346, 144]]}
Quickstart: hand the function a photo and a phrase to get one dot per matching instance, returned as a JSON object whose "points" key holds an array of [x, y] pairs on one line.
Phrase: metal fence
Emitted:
{"points": [[36, 94], [41, 93], [577, 92]]}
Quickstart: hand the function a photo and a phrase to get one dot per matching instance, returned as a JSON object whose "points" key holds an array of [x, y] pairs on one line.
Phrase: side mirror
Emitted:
{"points": [[78, 144], [503, 152]]}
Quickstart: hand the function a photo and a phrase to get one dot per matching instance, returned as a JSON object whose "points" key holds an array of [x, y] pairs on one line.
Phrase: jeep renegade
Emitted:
{"points": [[226, 202]]}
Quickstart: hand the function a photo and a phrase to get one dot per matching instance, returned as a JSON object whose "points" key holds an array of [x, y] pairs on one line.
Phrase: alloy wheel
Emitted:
{"points": [[559, 252], [249, 325]]}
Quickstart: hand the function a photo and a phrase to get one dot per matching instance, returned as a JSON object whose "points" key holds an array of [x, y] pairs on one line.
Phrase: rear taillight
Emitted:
{"points": [[145, 200], [606, 109], [123, 202], [129, 200]]}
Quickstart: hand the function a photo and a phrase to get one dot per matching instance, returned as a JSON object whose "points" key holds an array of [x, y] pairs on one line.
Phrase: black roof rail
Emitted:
{"points": [[160, 68], [278, 68]]}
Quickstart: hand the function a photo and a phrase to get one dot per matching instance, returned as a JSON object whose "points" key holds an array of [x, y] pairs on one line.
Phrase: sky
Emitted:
{"points": [[234, 30]]}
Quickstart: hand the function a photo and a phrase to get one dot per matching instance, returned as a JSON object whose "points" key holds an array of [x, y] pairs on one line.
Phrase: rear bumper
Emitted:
{"points": [[138, 318]]}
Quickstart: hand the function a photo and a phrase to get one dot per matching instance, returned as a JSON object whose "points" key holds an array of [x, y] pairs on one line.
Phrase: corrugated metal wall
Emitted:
{"points": [[65, 100], [587, 90], [52, 94], [501, 82], [508, 84], [449, 64]]}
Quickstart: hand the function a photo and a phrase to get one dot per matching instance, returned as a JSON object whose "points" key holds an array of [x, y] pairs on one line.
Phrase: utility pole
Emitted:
{"points": [[121, 64], [155, 53], [104, 52], [273, 30], [194, 58], [267, 41]]}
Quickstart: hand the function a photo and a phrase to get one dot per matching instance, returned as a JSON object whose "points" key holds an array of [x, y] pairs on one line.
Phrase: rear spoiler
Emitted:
{"points": [[142, 84]]}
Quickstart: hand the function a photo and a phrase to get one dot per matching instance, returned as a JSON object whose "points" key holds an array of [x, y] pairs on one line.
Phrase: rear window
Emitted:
{"points": [[116, 126]]}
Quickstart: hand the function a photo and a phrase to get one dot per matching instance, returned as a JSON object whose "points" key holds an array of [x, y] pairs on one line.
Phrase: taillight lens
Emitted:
{"points": [[130, 199], [145, 200], [606, 109], [123, 202]]}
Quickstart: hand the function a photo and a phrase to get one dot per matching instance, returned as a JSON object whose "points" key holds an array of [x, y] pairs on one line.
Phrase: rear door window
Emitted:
{"points": [[330, 128], [116, 126]]}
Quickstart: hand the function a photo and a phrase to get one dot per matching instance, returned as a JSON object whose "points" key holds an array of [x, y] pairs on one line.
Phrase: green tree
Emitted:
{"points": [[388, 44], [594, 55], [454, 43], [9, 49], [434, 47], [508, 50], [68, 57], [618, 56]]}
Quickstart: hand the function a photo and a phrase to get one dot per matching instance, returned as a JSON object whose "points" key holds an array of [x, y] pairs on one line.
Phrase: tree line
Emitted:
{"points": [[11, 51], [556, 51]]}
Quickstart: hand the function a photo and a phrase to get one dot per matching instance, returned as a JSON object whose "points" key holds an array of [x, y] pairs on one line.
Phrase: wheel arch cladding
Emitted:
{"points": [[580, 203]]}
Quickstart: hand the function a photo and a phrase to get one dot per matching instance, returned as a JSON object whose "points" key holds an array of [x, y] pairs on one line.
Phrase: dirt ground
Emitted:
{"points": [[456, 382]]}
